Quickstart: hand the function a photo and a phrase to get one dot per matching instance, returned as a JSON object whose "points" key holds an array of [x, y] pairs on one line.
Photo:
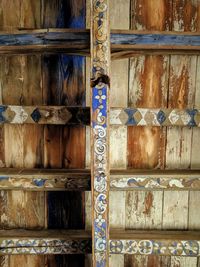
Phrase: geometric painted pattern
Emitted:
{"points": [[190, 248], [155, 117], [153, 246], [61, 115]]}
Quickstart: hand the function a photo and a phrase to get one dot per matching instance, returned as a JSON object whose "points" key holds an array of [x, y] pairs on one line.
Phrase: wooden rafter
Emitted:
{"points": [[62, 115], [79, 180], [100, 86], [162, 243], [76, 41]]}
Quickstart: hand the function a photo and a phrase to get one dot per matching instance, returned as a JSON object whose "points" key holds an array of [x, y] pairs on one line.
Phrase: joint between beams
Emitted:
{"points": [[102, 78]]}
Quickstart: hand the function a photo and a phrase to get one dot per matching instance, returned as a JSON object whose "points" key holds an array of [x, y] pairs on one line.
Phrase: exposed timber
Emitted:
{"points": [[62, 115], [162, 243], [79, 180], [124, 43]]}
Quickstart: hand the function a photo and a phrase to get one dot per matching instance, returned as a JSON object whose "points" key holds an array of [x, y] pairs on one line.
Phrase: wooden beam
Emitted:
{"points": [[100, 86], [79, 180], [61, 115], [155, 117], [45, 179], [44, 242], [147, 242], [155, 180], [124, 43], [162, 243]]}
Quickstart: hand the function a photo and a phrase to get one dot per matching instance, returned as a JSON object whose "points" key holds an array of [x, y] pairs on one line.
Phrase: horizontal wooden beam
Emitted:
{"points": [[163, 243], [59, 115], [62, 115], [44, 242], [76, 41], [79, 180], [44, 179]]}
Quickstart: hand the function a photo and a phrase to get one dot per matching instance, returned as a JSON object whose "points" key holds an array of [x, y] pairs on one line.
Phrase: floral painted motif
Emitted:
{"points": [[156, 247], [100, 94]]}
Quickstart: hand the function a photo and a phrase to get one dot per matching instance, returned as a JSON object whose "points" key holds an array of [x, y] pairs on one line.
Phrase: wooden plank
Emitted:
{"points": [[100, 84], [21, 209], [175, 210], [143, 210], [183, 261], [64, 82], [152, 260], [147, 88], [183, 71]]}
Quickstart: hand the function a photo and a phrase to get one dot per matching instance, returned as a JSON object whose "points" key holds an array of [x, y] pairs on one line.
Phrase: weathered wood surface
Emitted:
{"points": [[100, 86], [156, 243], [44, 242], [61, 115], [123, 42], [173, 243], [79, 180], [21, 209], [155, 117], [64, 147]]}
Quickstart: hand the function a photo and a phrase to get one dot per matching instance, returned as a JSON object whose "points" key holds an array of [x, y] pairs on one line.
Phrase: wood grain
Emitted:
{"points": [[23, 209], [148, 80], [64, 84]]}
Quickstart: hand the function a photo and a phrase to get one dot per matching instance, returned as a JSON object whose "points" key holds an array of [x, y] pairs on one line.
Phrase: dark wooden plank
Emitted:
{"points": [[64, 84]]}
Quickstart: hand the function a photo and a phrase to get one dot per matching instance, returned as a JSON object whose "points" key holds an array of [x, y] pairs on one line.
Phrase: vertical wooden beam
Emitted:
{"points": [[100, 85]]}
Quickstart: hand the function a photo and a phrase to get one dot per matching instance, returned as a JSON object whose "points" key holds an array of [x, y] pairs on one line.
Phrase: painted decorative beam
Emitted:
{"points": [[76, 41], [79, 180], [45, 180], [44, 115], [81, 115], [44, 242], [100, 169], [155, 180], [155, 117], [162, 243]]}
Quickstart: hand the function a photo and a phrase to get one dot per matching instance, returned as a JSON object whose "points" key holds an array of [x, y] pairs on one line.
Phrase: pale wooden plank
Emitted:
{"points": [[150, 261], [118, 147], [183, 262], [175, 210], [116, 260], [118, 135], [181, 95], [194, 215], [144, 210], [117, 210]]}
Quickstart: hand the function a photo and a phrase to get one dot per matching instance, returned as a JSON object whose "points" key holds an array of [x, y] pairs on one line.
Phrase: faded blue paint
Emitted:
{"points": [[155, 39], [192, 113], [35, 115], [3, 178], [99, 104], [161, 117], [39, 182], [2, 110], [130, 113], [116, 39]]}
